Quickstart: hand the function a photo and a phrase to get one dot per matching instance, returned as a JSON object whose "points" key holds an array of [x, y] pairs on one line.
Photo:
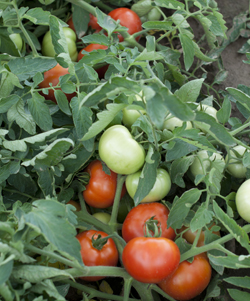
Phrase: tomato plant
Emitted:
{"points": [[127, 18], [134, 223], [95, 254], [189, 280], [242, 200], [100, 191], [120, 151], [171, 122], [52, 77], [48, 48], [150, 259], [235, 166], [160, 189]]}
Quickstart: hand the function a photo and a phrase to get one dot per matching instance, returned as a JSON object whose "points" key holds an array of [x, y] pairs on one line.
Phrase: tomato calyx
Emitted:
{"points": [[83, 177], [152, 228], [99, 242]]}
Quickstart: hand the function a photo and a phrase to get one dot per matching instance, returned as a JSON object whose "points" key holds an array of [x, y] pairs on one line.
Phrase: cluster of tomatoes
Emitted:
{"points": [[150, 254]]}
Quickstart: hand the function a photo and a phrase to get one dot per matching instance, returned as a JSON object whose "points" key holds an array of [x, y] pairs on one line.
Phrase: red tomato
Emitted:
{"points": [[128, 18], [75, 204], [100, 191], [101, 71], [150, 259], [71, 24], [107, 256], [134, 223], [52, 76], [93, 23], [189, 280]]}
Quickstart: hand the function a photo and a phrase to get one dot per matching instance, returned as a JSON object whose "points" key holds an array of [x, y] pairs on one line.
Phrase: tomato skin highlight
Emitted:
{"points": [[52, 76], [242, 200], [150, 259], [134, 223], [189, 280], [100, 191], [107, 256], [129, 19]]}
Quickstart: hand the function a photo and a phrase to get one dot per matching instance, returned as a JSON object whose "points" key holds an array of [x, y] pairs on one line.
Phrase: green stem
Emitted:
{"points": [[215, 245], [31, 44], [54, 256], [115, 208], [239, 129], [94, 293], [104, 6], [127, 287]]}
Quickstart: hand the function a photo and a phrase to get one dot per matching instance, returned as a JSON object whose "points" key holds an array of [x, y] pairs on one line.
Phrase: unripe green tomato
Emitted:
{"points": [[102, 216], [210, 111], [235, 167], [242, 200], [171, 122], [154, 14], [160, 189], [197, 168], [17, 40], [121, 153], [48, 48], [130, 115]]}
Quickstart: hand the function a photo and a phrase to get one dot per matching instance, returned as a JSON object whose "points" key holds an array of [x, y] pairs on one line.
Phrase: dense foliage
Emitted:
{"points": [[145, 95]]}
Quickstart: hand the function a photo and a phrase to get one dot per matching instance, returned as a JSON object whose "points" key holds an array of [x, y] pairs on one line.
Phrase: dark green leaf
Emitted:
{"points": [[188, 50]]}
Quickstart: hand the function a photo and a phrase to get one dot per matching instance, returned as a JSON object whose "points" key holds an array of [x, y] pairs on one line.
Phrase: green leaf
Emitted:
{"points": [[104, 118], [178, 168], [230, 261], [8, 82], [216, 129], [243, 282], [238, 295], [27, 67], [190, 91], [82, 117], [179, 150], [224, 113], [177, 107], [148, 175], [18, 114], [171, 4], [241, 97], [52, 154], [202, 217], [96, 39], [7, 45], [6, 267], [80, 19], [49, 217], [62, 102], [37, 273], [148, 56], [158, 25], [182, 206], [7, 102], [188, 50], [40, 112], [7, 169], [105, 21], [38, 16], [46, 181], [238, 233]]}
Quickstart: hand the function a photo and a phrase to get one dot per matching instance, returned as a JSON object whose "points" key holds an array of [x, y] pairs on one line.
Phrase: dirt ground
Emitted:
{"points": [[238, 72]]}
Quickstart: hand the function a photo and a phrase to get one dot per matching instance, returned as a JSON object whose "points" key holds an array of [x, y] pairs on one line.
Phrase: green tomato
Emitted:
{"points": [[48, 48], [130, 115], [242, 200], [235, 166], [102, 216], [154, 14], [171, 122], [121, 153], [202, 163], [17, 40], [160, 189], [210, 111]]}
